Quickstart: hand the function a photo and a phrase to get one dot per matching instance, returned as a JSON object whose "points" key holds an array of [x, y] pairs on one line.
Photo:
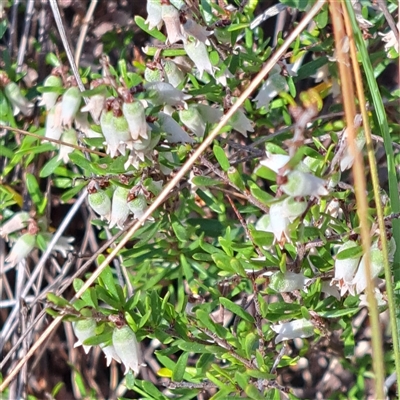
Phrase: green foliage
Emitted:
{"points": [[216, 282]]}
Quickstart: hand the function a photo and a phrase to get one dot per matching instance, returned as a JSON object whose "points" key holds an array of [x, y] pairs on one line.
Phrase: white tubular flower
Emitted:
{"points": [[359, 281], [53, 129], [304, 184], [18, 101], [101, 204], [330, 290], [138, 206], [153, 8], [380, 300], [17, 222], [292, 208], [300, 328], [127, 348], [275, 161], [193, 120], [84, 329], [164, 93], [21, 249], [391, 42], [110, 353], [192, 28], [62, 246], [175, 133], [49, 99], [119, 208], [81, 122], [347, 158], [278, 223], [364, 23], [96, 103], [70, 103], [135, 115], [272, 86], [210, 114], [287, 282], [116, 132], [68, 136], [155, 187], [174, 75], [170, 16], [241, 123], [197, 52], [345, 269]]}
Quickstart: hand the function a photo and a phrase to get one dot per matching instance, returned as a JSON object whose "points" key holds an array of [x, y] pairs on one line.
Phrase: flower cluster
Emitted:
{"points": [[122, 347], [114, 204], [350, 274], [296, 183], [34, 234]]}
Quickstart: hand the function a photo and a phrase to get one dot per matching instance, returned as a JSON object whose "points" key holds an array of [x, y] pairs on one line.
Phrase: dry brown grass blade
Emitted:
{"points": [[185, 168], [343, 33]]}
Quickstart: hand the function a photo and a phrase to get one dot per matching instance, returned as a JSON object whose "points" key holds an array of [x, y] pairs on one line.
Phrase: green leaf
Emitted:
{"points": [[49, 167], [204, 318], [205, 181], [352, 252], [140, 22], [221, 157], [253, 392], [236, 309], [180, 231], [69, 194], [35, 192], [57, 300], [180, 367], [108, 281], [76, 157]]}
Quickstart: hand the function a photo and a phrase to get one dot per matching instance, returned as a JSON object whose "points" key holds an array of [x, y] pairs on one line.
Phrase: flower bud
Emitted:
{"points": [[84, 329], [100, 203], [119, 209], [18, 101], [127, 348], [71, 101], [49, 99]]}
